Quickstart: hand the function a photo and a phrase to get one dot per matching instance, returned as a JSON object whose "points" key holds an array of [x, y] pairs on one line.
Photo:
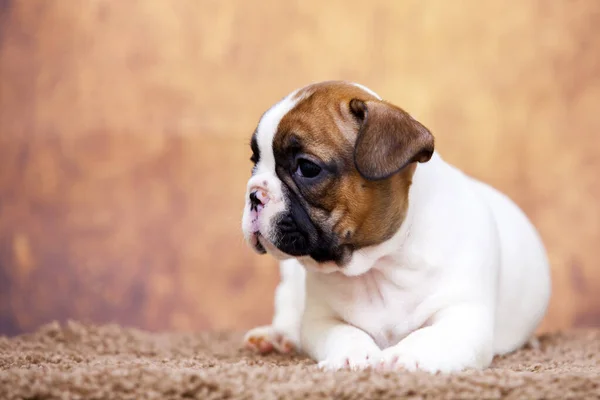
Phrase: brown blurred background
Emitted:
{"points": [[125, 128]]}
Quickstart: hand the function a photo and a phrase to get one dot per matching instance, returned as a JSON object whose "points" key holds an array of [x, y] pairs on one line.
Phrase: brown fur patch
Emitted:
{"points": [[358, 211]]}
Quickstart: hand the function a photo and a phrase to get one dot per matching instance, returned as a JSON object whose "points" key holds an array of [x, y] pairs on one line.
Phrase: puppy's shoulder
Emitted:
{"points": [[445, 203], [443, 187]]}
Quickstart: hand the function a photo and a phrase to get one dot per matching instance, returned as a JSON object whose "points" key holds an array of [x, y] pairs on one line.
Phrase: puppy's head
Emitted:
{"points": [[333, 164]]}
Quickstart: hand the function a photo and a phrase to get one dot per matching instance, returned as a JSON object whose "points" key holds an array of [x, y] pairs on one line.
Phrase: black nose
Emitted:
{"points": [[254, 201]]}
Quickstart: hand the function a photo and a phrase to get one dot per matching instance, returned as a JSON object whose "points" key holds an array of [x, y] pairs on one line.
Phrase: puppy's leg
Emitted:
{"points": [[459, 337], [283, 335], [336, 345]]}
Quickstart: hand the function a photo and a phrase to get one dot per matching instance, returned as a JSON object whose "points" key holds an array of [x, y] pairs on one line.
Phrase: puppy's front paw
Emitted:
{"points": [[417, 353], [397, 359], [355, 359], [266, 339]]}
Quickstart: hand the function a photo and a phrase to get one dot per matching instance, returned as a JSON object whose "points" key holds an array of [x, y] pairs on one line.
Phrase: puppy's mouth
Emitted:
{"points": [[328, 259], [256, 243], [303, 240], [294, 236]]}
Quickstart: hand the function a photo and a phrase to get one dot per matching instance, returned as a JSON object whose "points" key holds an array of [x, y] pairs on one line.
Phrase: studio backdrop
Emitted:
{"points": [[125, 128]]}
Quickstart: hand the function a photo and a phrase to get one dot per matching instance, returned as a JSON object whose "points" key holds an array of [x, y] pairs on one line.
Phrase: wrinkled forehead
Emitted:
{"points": [[317, 117]]}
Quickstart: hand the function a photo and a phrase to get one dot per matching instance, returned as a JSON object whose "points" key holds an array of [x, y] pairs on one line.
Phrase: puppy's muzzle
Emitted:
{"points": [[258, 198]]}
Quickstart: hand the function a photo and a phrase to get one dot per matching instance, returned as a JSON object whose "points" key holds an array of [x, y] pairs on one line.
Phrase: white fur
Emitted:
{"points": [[464, 278], [264, 177]]}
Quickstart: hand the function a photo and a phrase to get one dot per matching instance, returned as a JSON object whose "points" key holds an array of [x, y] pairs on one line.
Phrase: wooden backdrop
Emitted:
{"points": [[125, 128]]}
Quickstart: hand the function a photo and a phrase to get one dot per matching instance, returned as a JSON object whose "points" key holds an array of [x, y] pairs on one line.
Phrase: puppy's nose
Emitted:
{"points": [[258, 198], [254, 201]]}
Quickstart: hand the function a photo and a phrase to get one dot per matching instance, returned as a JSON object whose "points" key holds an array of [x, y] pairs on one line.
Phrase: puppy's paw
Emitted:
{"points": [[266, 339], [427, 356], [355, 359], [398, 359]]}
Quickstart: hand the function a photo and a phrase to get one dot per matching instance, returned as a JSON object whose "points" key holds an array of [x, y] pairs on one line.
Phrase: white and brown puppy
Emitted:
{"points": [[390, 257]]}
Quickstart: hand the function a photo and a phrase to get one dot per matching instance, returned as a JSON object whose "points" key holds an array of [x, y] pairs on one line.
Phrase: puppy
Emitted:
{"points": [[390, 257]]}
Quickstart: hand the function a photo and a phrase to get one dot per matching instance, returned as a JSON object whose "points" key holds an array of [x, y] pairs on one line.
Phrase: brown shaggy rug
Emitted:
{"points": [[77, 361]]}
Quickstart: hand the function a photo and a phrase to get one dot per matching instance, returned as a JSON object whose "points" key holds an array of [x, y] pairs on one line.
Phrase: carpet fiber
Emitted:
{"points": [[109, 362]]}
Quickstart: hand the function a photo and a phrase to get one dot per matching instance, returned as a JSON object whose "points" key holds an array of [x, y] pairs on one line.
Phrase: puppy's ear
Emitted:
{"points": [[388, 139]]}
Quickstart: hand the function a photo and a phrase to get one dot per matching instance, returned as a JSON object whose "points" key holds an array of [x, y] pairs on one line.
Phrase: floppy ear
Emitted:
{"points": [[388, 139]]}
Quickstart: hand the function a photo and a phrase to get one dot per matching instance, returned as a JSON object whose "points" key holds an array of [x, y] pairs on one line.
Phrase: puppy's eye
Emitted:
{"points": [[307, 169], [255, 150]]}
